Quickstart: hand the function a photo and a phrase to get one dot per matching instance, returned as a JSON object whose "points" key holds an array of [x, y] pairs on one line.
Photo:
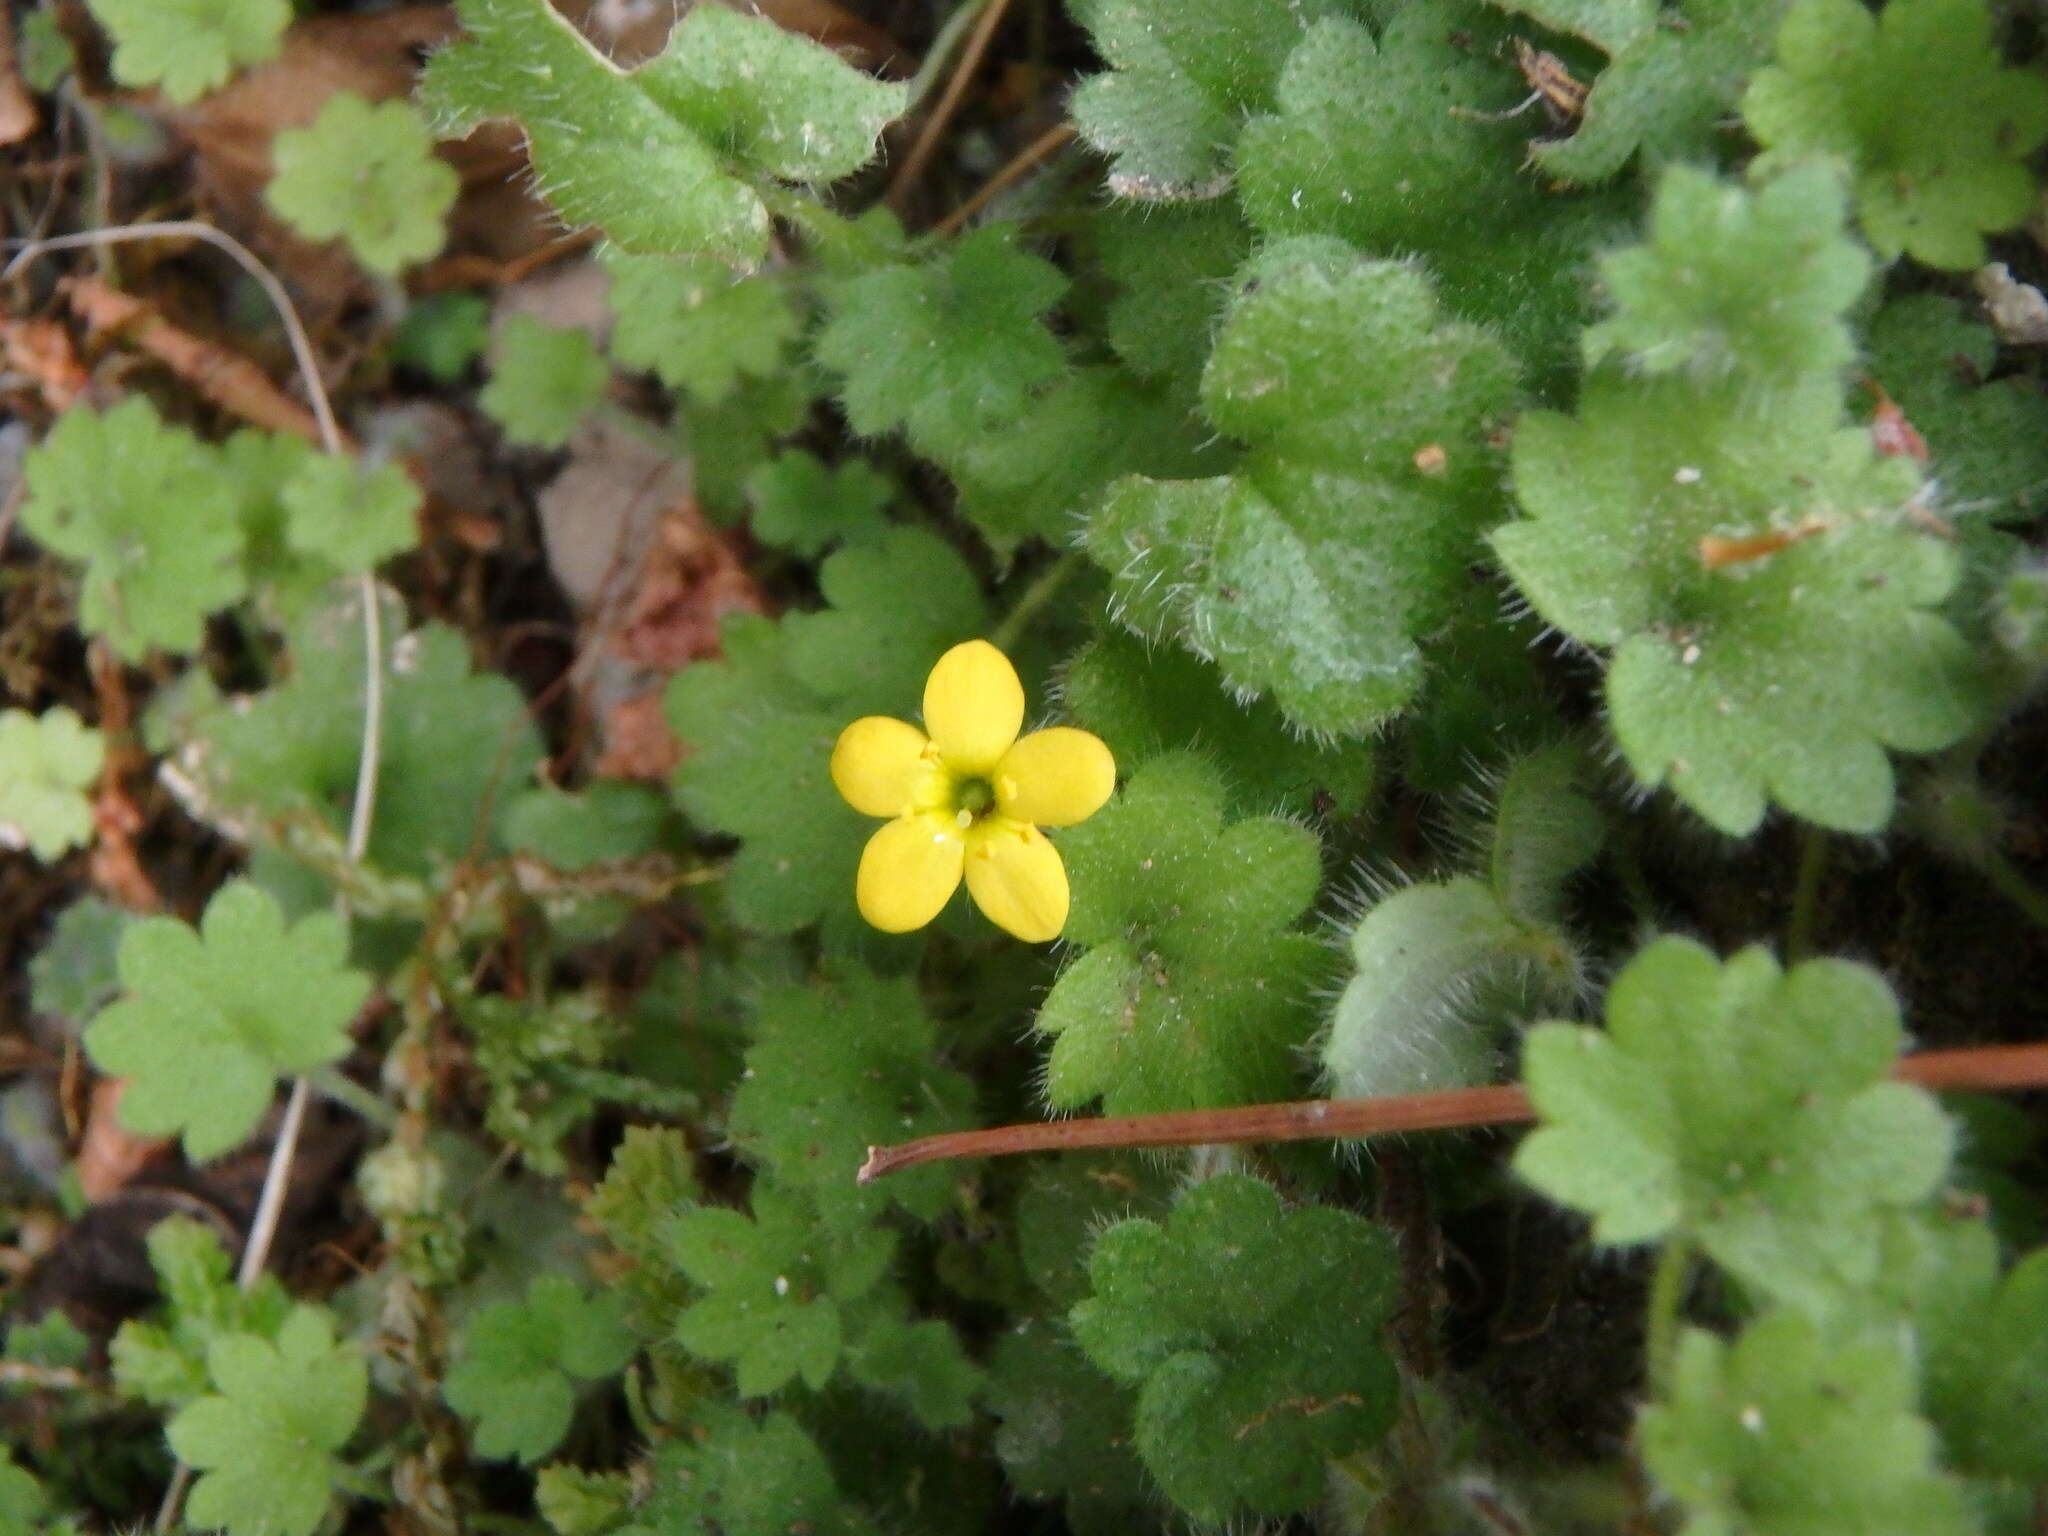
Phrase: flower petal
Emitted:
{"points": [[1055, 778], [1015, 876], [908, 871], [877, 764], [973, 706]]}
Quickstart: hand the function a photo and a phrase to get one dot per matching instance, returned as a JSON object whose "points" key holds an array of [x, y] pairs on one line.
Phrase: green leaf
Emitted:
{"points": [[803, 504], [696, 324], [1741, 1106], [1777, 675], [516, 1372], [1670, 83], [921, 1362], [544, 380], [52, 1340], [1180, 84], [1782, 1432], [453, 743], [1444, 970], [1068, 1200], [164, 1363], [349, 515], [1253, 1336], [763, 719], [1145, 702], [606, 822], [1037, 476], [731, 1475], [949, 349], [1172, 267], [48, 766], [1935, 132], [1346, 531], [145, 509], [836, 1068], [1987, 442], [42, 50], [730, 440], [285, 581], [661, 158], [775, 1284], [1400, 147], [1986, 1343], [190, 46], [23, 1502], [1193, 985], [265, 1446], [652, 1174], [1065, 1428], [442, 334], [579, 1503], [1441, 969], [1733, 281], [211, 1018], [365, 174]]}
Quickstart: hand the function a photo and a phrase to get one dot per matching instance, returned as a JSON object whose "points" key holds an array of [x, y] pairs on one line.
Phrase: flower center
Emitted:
{"points": [[973, 798]]}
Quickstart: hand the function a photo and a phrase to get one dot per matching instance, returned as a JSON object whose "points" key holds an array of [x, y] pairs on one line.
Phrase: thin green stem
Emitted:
{"points": [[1044, 588], [2007, 880], [352, 1095], [1666, 1302], [940, 54], [1813, 863]]}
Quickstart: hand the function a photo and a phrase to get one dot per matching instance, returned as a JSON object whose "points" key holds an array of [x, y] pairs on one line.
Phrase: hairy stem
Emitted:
{"points": [[1043, 588], [1799, 926], [1666, 1304]]}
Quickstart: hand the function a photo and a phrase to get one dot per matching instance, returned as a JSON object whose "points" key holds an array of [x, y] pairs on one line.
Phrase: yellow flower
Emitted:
{"points": [[969, 799]]}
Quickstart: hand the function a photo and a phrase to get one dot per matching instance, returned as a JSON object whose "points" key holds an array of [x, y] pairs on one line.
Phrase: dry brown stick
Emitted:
{"points": [[226, 378], [1974, 1067], [475, 271], [1021, 164], [934, 127]]}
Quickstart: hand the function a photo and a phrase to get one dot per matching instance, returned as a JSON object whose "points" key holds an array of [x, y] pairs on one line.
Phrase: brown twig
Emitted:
{"points": [[1980, 1067], [469, 270], [935, 126], [1021, 164], [226, 378]]}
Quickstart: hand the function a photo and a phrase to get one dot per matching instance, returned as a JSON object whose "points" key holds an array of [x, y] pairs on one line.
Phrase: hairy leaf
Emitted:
{"points": [[1935, 131], [1739, 1105], [1192, 986], [1344, 534], [1253, 1337]]}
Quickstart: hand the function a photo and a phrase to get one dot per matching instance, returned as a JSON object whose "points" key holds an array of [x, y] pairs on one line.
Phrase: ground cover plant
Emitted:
{"points": [[608, 608]]}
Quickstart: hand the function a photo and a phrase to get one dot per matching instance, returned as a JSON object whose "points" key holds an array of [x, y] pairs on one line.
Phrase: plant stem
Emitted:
{"points": [[1021, 165], [1666, 1302], [352, 1095], [1044, 587], [935, 126], [1813, 863], [2007, 880]]}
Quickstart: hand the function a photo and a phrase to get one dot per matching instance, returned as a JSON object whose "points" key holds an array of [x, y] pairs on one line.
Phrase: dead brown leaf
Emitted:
{"points": [[109, 1154], [18, 116], [42, 350], [225, 377], [691, 581], [637, 741]]}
